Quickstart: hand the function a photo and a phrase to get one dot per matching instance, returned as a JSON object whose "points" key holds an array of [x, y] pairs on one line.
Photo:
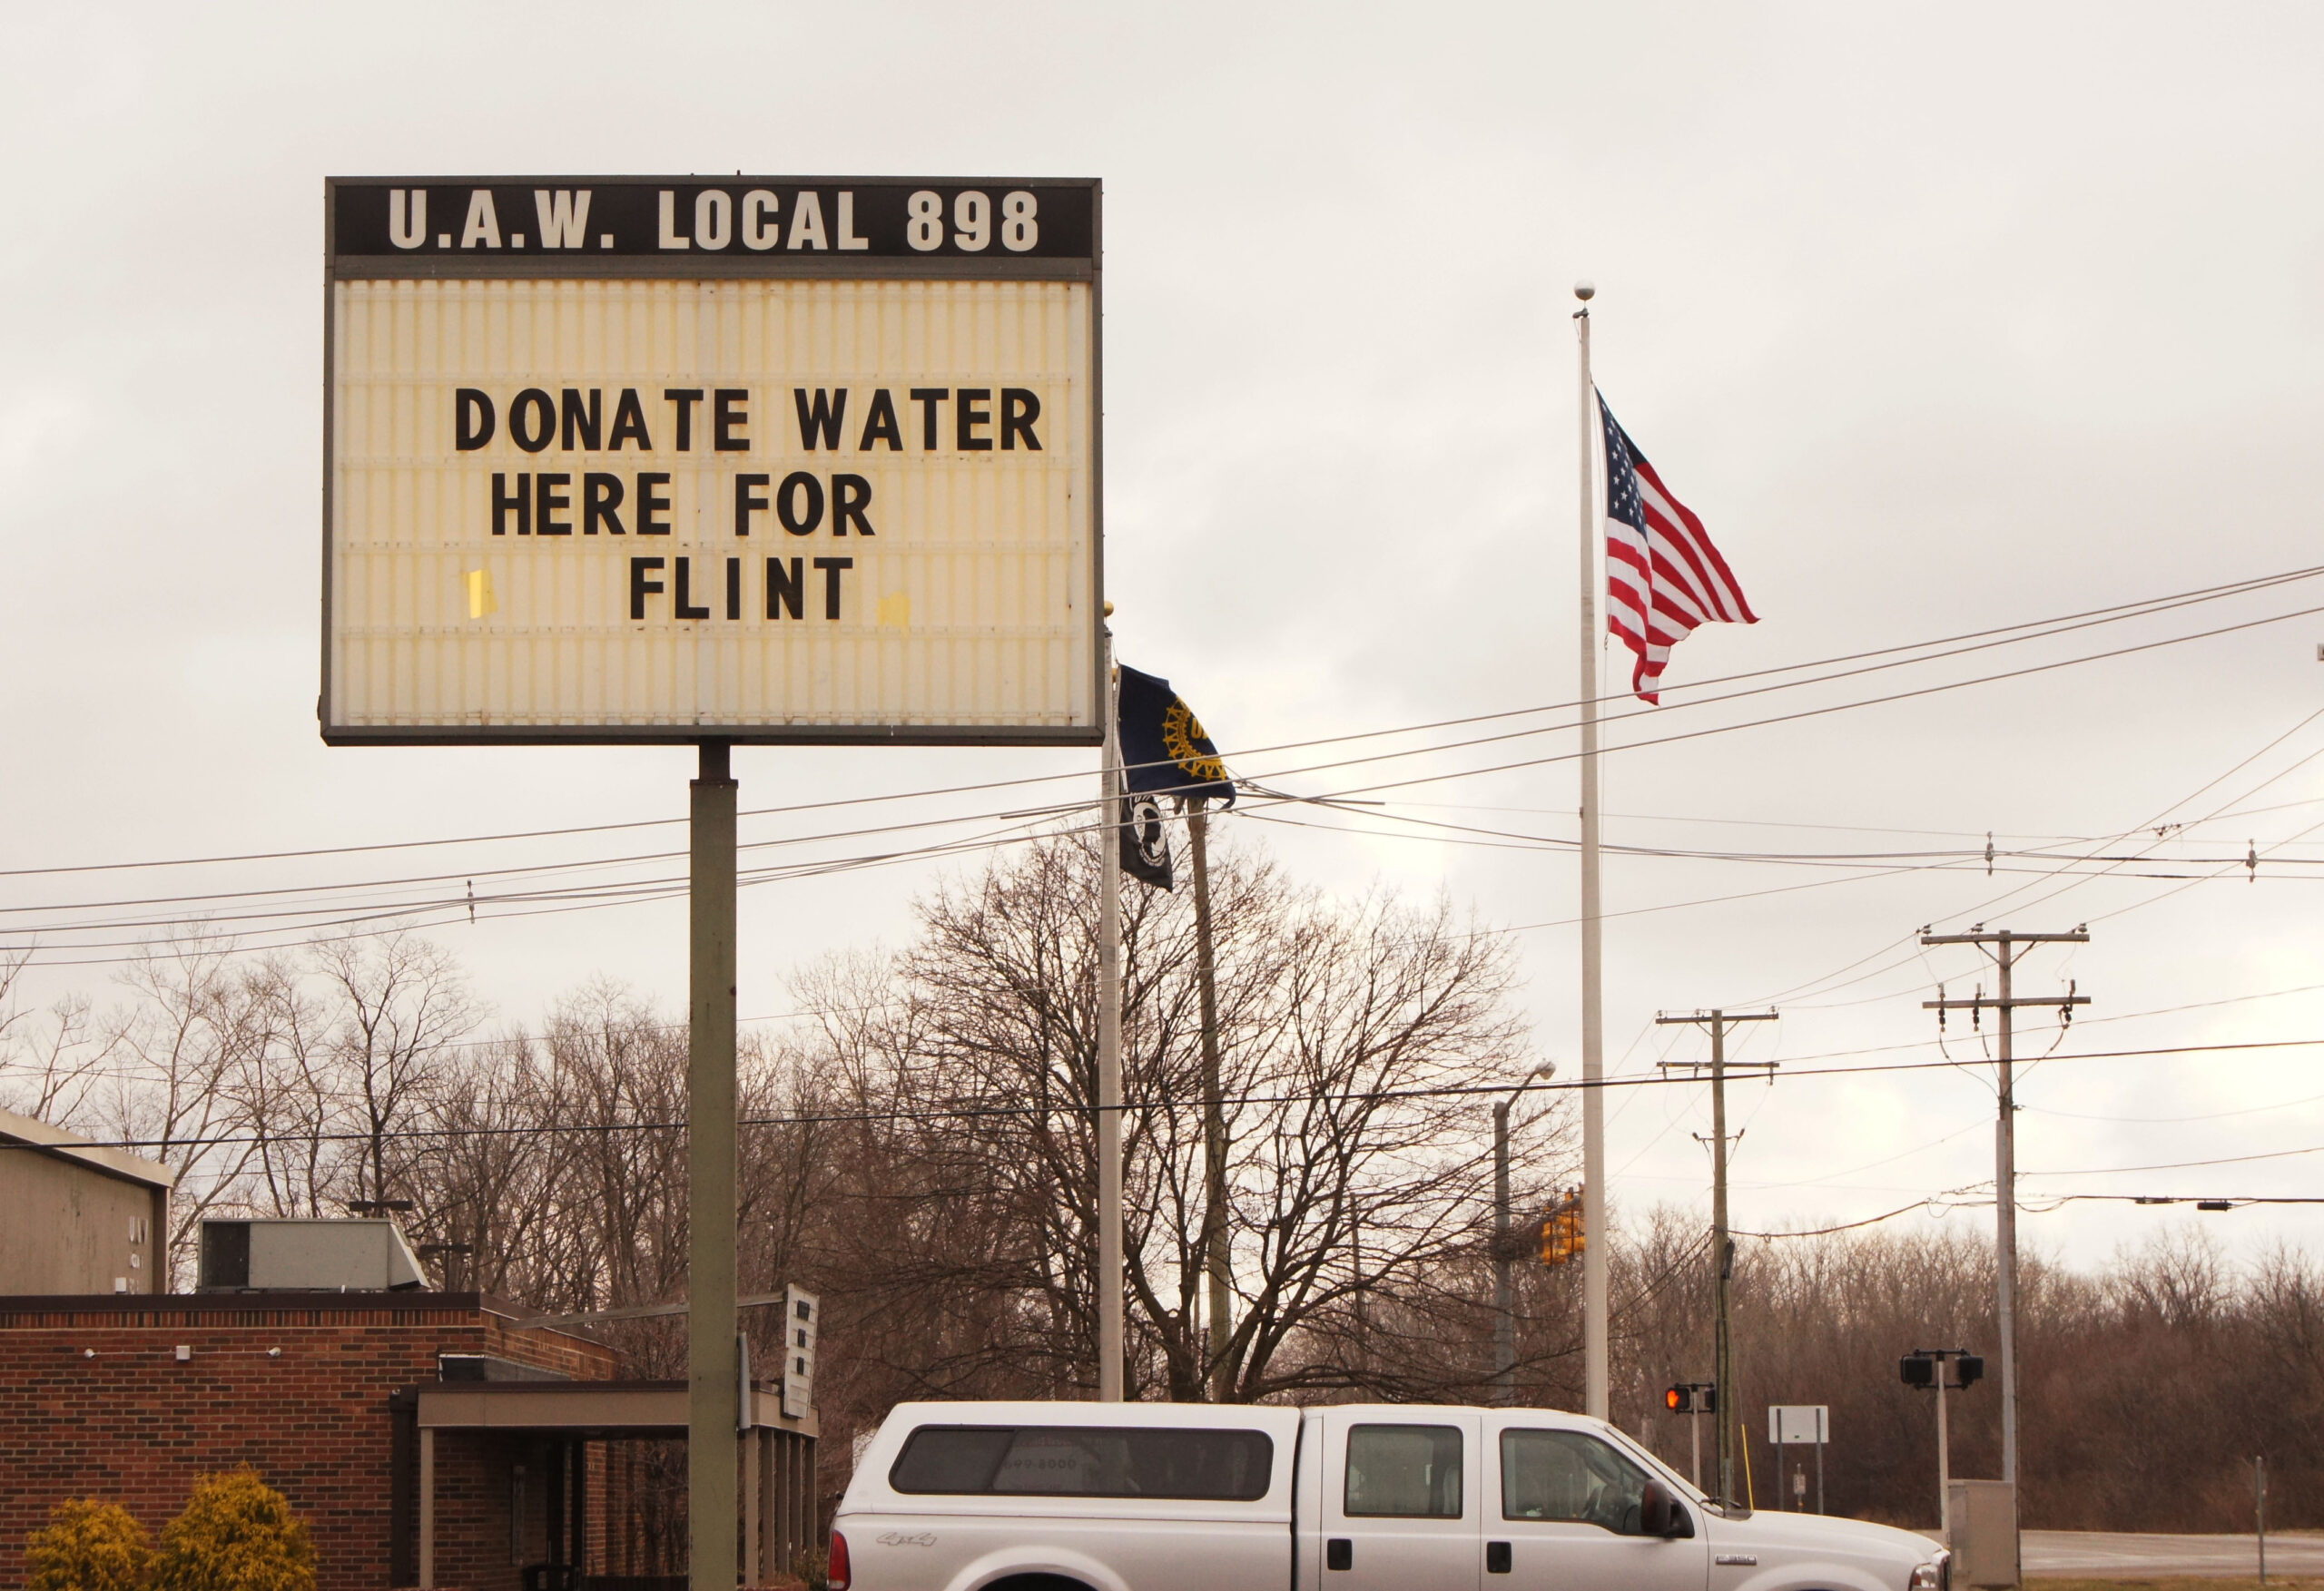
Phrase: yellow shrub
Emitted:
{"points": [[87, 1545], [237, 1534]]}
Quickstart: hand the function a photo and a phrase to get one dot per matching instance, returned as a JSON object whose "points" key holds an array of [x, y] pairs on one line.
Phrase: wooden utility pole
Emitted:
{"points": [[1722, 1250], [2005, 948], [1216, 1257]]}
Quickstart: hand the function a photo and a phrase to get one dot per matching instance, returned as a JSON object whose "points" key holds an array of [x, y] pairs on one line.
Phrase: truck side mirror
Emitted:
{"points": [[1660, 1514]]}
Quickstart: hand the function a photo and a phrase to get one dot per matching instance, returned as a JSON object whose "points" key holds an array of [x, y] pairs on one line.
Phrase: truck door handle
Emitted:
{"points": [[1496, 1557], [1339, 1552]]}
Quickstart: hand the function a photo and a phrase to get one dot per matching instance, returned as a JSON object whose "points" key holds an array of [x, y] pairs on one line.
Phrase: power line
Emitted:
{"points": [[1808, 712], [1850, 1225], [1828, 986], [2042, 627], [648, 890], [2200, 1200], [2179, 1165]]}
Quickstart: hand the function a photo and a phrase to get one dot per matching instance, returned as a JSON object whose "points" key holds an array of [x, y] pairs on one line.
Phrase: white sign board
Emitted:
{"points": [[773, 459], [1806, 1423], [801, 1313]]}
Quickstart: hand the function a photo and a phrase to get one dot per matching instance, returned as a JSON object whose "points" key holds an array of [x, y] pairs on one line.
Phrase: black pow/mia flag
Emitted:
{"points": [[1146, 843]]}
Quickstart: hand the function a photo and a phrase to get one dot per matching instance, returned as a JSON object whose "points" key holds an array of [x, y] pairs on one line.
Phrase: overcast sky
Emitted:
{"points": [[1943, 317]]}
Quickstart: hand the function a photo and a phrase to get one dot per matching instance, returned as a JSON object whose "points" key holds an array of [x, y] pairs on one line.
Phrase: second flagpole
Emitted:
{"points": [[1593, 1034], [1110, 1303]]}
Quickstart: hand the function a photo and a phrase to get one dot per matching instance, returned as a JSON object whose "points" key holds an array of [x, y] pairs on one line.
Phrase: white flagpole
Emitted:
{"points": [[1593, 1024], [1110, 1048]]}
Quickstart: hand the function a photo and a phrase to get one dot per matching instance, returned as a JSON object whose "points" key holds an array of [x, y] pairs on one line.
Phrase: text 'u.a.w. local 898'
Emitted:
{"points": [[628, 219]]}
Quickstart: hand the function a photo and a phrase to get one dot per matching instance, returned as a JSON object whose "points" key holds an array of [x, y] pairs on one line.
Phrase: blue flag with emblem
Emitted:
{"points": [[1164, 748]]}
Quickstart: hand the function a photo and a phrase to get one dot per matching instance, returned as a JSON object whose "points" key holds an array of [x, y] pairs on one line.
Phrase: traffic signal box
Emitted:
{"points": [[1691, 1398], [1562, 1236], [1919, 1368]]}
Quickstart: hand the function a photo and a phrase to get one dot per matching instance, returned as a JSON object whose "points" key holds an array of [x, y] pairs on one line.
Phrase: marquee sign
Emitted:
{"points": [[767, 460]]}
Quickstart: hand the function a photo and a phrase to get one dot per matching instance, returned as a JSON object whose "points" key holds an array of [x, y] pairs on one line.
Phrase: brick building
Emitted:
{"points": [[427, 1438]]}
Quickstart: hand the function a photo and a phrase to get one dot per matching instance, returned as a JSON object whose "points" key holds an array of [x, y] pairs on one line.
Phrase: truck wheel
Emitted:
{"points": [[1036, 1583]]}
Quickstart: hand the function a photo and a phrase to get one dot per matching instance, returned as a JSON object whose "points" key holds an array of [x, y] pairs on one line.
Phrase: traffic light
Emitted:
{"points": [[1562, 1233], [1691, 1398], [1923, 1368], [1679, 1400]]}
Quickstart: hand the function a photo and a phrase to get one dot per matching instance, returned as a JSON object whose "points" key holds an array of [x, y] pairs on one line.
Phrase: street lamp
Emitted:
{"points": [[1504, 1289]]}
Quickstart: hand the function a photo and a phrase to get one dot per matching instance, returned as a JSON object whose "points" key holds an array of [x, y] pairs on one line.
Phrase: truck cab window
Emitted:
{"points": [[1404, 1471], [1569, 1477]]}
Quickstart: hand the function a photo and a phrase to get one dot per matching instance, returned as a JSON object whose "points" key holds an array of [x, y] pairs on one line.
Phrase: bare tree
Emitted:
{"points": [[50, 1064], [197, 1024], [1356, 1041], [396, 1006]]}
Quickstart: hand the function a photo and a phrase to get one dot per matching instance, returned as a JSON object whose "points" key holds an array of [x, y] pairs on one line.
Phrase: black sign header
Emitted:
{"points": [[630, 226]]}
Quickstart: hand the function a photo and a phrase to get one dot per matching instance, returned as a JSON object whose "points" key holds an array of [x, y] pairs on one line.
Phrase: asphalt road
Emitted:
{"points": [[2108, 1555]]}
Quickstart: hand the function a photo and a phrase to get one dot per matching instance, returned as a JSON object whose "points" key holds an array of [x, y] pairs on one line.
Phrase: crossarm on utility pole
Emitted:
{"points": [[1980, 937]]}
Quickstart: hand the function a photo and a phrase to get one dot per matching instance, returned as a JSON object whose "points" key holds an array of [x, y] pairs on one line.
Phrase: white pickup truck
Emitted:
{"points": [[1160, 1497]]}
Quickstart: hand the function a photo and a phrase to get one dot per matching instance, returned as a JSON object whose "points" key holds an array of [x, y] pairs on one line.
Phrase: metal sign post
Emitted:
{"points": [[713, 1361], [1798, 1425], [2259, 1509], [1939, 1369]]}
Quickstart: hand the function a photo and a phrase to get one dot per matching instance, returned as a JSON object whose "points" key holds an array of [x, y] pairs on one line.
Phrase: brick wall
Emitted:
{"points": [[95, 1402]]}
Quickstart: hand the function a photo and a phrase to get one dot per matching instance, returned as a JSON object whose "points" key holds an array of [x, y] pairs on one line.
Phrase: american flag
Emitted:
{"points": [[1663, 577]]}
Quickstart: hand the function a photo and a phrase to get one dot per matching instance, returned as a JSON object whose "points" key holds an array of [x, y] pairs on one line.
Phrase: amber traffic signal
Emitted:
{"points": [[1561, 1237]]}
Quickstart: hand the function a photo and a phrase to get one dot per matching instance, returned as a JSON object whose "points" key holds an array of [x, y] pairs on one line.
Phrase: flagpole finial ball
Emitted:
{"points": [[1585, 289], [1109, 609]]}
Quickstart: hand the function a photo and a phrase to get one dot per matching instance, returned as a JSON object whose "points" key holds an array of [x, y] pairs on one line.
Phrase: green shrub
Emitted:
{"points": [[87, 1545], [237, 1534]]}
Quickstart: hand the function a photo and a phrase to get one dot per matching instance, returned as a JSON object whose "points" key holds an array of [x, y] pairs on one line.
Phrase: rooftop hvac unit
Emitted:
{"points": [[307, 1256]]}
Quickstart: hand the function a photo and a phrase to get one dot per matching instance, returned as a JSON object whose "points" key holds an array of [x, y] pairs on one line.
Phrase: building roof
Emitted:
{"points": [[56, 1140], [598, 1409]]}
